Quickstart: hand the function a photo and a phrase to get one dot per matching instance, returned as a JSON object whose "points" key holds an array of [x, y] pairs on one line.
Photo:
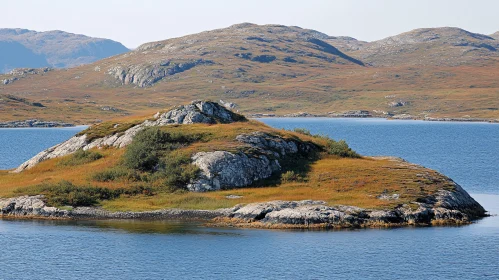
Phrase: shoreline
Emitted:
{"points": [[450, 209], [83, 126], [444, 120]]}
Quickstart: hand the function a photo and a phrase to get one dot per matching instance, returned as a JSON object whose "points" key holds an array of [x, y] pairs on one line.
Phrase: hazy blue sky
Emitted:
{"points": [[136, 22]]}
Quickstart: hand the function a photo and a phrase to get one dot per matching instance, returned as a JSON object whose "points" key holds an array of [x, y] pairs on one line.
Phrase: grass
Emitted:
{"points": [[353, 181], [108, 128], [80, 157], [338, 181], [312, 85], [65, 193]]}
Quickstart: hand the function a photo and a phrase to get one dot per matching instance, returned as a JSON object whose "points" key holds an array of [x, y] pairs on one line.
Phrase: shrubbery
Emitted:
{"points": [[178, 170], [66, 193], [289, 176], [150, 144], [332, 147], [303, 131], [80, 157], [116, 173], [340, 148], [151, 158]]}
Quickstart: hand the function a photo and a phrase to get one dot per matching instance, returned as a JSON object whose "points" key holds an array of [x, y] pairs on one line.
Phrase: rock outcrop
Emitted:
{"points": [[145, 75], [34, 207], [226, 170], [29, 207], [196, 112], [34, 123], [446, 207]]}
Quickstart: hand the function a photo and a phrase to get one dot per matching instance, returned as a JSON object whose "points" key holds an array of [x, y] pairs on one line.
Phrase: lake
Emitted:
{"points": [[467, 152]]}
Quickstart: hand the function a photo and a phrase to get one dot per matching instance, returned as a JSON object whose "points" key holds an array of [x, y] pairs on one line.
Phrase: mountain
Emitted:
{"points": [[346, 44], [23, 57], [495, 35], [447, 46], [269, 48], [53, 48], [272, 70]]}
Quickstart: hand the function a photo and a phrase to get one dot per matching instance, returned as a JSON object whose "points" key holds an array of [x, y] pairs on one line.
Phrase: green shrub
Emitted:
{"points": [[150, 144], [289, 176], [80, 157], [340, 148], [303, 131], [66, 193], [177, 170], [116, 173]]}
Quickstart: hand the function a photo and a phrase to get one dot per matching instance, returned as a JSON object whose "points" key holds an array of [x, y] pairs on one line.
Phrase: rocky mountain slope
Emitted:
{"points": [[22, 48], [447, 46], [248, 46], [15, 55], [204, 152], [276, 70]]}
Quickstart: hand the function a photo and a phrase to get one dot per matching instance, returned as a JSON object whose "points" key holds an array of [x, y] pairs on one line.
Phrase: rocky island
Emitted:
{"points": [[204, 161], [34, 123]]}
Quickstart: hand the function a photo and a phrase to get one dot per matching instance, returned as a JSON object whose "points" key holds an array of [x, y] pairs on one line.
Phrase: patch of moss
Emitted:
{"points": [[107, 128]]}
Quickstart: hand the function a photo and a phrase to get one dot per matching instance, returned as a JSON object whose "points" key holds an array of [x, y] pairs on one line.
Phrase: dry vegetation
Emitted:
{"points": [[337, 180], [318, 81]]}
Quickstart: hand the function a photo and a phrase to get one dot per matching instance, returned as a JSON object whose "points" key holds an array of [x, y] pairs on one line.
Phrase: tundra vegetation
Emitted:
{"points": [[153, 171], [273, 69]]}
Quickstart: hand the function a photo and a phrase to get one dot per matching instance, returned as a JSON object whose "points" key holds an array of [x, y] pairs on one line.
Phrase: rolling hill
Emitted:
{"points": [[32, 49], [276, 70], [447, 46]]}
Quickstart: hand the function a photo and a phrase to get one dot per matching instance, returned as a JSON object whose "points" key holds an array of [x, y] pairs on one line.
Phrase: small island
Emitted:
{"points": [[202, 161]]}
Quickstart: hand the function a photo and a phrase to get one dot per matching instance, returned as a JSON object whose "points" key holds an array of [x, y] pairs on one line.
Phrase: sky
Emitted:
{"points": [[134, 22]]}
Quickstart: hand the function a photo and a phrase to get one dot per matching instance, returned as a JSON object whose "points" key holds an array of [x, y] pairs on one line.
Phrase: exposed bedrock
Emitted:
{"points": [[226, 170], [196, 112], [446, 207]]}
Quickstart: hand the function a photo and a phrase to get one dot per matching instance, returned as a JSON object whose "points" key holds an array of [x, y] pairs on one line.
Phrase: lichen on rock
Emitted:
{"points": [[196, 112]]}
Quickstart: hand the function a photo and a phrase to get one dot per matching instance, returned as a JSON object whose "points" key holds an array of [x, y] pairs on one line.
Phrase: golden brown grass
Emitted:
{"points": [[336, 180], [314, 85]]}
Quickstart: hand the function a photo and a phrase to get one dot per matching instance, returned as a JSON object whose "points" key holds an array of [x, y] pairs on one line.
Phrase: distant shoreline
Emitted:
{"points": [[55, 124], [456, 120], [34, 123]]}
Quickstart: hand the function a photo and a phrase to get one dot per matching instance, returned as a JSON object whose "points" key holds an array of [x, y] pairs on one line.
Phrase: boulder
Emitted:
{"points": [[196, 112], [29, 206], [225, 170]]}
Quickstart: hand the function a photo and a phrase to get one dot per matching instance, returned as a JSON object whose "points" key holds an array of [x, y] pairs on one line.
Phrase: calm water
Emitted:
{"points": [[165, 250], [466, 152], [19, 144]]}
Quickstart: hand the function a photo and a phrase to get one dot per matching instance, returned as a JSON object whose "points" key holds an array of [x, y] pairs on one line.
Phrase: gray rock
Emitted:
{"points": [[276, 144], [225, 170], [35, 207], [34, 123], [445, 207], [29, 206], [228, 105], [146, 74], [196, 112]]}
